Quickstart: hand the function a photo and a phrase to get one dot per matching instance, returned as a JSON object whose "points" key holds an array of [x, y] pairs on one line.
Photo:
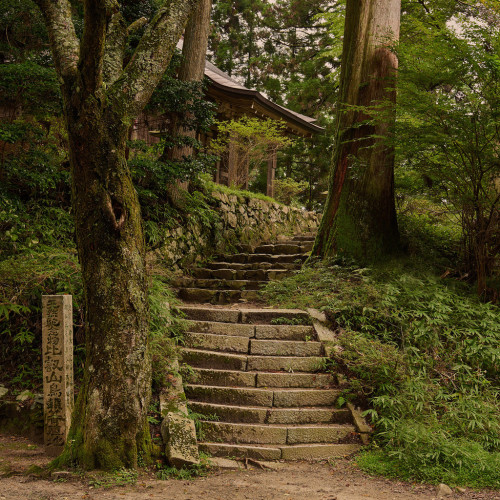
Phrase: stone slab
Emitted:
{"points": [[211, 314], [308, 416], [214, 342], [238, 433], [236, 329], [318, 434], [284, 348], [241, 451], [230, 395], [304, 380], [217, 360], [197, 294], [244, 414], [317, 451], [225, 378], [267, 315], [284, 363], [284, 332], [179, 435], [291, 398]]}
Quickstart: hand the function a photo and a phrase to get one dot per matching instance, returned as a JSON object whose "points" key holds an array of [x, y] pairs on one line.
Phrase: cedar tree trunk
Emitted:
{"points": [[192, 69], [360, 217], [101, 98]]}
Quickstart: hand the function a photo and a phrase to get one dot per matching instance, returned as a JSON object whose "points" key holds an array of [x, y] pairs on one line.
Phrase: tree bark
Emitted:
{"points": [[109, 428], [360, 217]]}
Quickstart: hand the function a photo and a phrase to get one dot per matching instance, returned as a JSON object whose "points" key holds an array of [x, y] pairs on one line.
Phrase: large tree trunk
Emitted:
{"points": [[109, 426], [360, 217]]}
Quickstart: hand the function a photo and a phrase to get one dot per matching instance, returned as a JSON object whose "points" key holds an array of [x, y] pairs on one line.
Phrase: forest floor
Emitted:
{"points": [[341, 480]]}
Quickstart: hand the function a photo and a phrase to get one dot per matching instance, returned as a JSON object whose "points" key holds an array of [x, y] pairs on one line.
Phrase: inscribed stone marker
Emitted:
{"points": [[57, 350]]}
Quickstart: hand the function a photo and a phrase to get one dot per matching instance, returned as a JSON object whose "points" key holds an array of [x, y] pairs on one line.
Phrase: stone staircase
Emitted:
{"points": [[238, 277], [258, 374], [263, 387]]}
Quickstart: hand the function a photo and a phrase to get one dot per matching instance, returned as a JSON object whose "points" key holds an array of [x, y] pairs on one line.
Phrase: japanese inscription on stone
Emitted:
{"points": [[57, 351]]}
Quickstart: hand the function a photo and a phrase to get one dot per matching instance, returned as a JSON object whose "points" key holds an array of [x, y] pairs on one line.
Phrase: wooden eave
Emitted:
{"points": [[253, 102]]}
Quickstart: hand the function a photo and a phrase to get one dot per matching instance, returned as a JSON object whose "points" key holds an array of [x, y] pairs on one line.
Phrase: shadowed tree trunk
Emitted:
{"points": [[360, 217], [101, 99]]}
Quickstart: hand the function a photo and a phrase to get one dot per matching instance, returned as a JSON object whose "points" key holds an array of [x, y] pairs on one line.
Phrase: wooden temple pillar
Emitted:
{"points": [[232, 164], [272, 162]]}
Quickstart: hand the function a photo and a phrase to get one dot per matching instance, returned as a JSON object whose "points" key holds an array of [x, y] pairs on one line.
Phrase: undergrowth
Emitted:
{"points": [[422, 356]]}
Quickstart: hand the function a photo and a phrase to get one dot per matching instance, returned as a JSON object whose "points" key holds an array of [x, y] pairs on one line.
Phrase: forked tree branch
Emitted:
{"points": [[132, 90]]}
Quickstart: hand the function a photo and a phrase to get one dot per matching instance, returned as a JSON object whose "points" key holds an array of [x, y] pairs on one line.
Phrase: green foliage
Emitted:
{"points": [[30, 88], [287, 190], [166, 329], [422, 354], [447, 130]]}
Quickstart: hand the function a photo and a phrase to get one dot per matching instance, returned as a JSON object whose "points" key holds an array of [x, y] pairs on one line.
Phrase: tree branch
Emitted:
{"points": [[62, 36], [116, 42], [132, 91], [97, 15]]}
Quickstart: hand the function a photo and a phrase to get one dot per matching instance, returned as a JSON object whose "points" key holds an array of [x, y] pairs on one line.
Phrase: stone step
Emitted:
{"points": [[280, 266], [279, 398], [289, 364], [284, 248], [214, 342], [229, 432], [285, 348], [218, 284], [276, 316], [228, 378], [223, 378], [253, 316], [259, 415], [304, 237], [285, 332], [217, 296], [236, 274], [216, 314], [269, 332], [219, 328], [248, 258], [214, 360], [293, 452]]}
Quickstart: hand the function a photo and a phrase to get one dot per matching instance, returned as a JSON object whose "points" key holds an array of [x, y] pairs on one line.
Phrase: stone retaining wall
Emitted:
{"points": [[239, 219]]}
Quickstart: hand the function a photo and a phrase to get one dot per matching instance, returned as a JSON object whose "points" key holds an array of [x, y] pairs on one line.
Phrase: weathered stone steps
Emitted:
{"points": [[268, 415], [248, 258], [257, 373], [218, 284], [237, 343], [228, 361], [255, 316], [231, 378], [270, 397], [237, 433], [237, 274], [275, 332], [282, 452]]}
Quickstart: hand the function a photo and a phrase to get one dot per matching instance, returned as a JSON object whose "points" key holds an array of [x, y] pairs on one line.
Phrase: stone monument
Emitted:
{"points": [[57, 351]]}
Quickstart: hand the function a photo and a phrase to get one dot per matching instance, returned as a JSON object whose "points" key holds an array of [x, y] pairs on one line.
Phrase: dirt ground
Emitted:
{"points": [[287, 481]]}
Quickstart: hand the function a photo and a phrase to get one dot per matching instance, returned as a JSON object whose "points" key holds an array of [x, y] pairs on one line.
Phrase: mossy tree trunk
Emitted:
{"points": [[360, 217], [101, 98]]}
